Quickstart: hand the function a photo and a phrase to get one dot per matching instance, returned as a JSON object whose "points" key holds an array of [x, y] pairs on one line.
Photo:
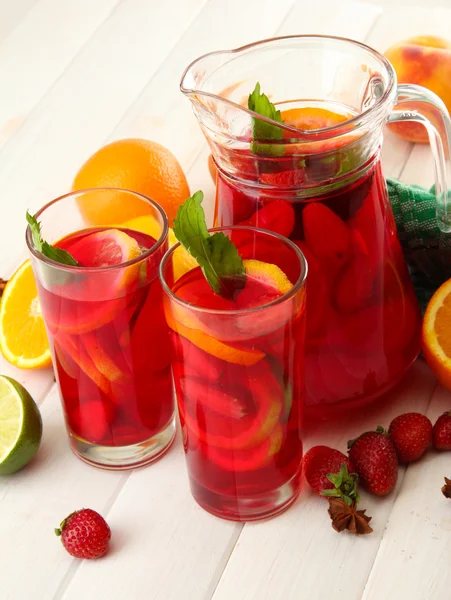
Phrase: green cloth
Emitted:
{"points": [[426, 248]]}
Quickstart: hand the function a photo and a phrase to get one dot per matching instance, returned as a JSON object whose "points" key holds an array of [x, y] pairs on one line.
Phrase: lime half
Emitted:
{"points": [[20, 426]]}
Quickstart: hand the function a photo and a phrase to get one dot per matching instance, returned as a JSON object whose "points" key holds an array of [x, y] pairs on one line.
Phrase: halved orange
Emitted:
{"points": [[436, 334], [23, 339]]}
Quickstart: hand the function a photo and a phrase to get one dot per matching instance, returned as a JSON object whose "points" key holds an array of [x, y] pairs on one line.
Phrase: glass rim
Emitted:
{"points": [[333, 130], [239, 311], [76, 269]]}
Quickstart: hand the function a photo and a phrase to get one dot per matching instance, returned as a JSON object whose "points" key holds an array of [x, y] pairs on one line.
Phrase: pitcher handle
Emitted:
{"points": [[439, 133]]}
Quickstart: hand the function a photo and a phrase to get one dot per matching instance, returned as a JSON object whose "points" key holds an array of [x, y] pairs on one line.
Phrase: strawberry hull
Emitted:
{"points": [[360, 300]]}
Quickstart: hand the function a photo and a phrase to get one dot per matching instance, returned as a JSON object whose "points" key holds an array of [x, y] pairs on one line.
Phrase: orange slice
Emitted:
{"points": [[101, 359], [436, 334], [105, 248], [269, 274], [83, 360], [309, 118], [23, 339], [211, 345]]}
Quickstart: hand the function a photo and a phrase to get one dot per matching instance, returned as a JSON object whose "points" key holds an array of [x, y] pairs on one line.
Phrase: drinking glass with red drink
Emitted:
{"points": [[295, 127], [238, 366], [101, 301]]}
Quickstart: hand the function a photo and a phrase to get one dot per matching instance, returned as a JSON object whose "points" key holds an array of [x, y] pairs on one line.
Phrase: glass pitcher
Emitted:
{"points": [[313, 173]]}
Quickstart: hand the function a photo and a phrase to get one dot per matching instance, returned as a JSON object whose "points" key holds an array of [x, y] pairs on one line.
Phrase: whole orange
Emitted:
{"points": [[134, 164]]}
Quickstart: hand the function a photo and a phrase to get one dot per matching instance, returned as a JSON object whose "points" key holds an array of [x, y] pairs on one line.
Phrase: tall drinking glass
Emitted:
{"points": [[238, 372], [106, 326]]}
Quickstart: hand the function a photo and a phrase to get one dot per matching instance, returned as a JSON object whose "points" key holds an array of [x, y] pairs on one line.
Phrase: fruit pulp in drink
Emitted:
{"points": [[110, 347], [363, 320], [239, 384]]}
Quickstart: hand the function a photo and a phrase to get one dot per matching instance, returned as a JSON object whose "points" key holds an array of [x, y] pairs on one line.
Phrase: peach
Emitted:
{"points": [[423, 60]]}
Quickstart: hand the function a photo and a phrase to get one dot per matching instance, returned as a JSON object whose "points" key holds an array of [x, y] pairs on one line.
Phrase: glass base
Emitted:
{"points": [[120, 458], [253, 508]]}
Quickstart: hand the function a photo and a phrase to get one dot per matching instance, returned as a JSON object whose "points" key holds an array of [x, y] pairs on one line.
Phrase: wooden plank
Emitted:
{"points": [[36, 53], [11, 14], [84, 105], [298, 555], [417, 541], [34, 502]]}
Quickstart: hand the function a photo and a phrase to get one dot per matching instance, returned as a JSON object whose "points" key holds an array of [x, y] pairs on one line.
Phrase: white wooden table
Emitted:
{"points": [[75, 74]]}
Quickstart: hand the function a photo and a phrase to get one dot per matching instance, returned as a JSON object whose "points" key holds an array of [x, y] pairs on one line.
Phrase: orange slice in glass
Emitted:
{"points": [[213, 346], [79, 355]]}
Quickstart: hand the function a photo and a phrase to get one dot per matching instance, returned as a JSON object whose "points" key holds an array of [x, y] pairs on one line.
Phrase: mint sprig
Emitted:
{"points": [[216, 255], [261, 130], [56, 254]]}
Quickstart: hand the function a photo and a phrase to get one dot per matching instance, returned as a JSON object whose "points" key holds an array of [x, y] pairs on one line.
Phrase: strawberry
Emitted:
{"points": [[85, 534], [375, 460], [322, 461], [441, 432], [354, 288], [276, 216], [410, 434], [327, 235], [284, 178]]}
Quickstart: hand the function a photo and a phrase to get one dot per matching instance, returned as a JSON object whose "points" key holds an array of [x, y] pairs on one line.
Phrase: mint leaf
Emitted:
{"points": [[261, 130], [56, 254], [217, 256]]}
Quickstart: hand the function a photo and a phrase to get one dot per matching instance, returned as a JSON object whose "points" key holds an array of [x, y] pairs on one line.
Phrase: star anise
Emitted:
{"points": [[346, 516], [446, 489], [3, 282]]}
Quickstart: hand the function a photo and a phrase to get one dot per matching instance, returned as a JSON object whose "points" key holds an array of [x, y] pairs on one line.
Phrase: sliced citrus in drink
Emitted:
{"points": [[309, 118], [436, 334], [101, 359], [23, 339], [232, 428], [21, 426], [273, 282], [265, 283], [213, 346], [106, 248], [79, 355], [248, 459]]}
